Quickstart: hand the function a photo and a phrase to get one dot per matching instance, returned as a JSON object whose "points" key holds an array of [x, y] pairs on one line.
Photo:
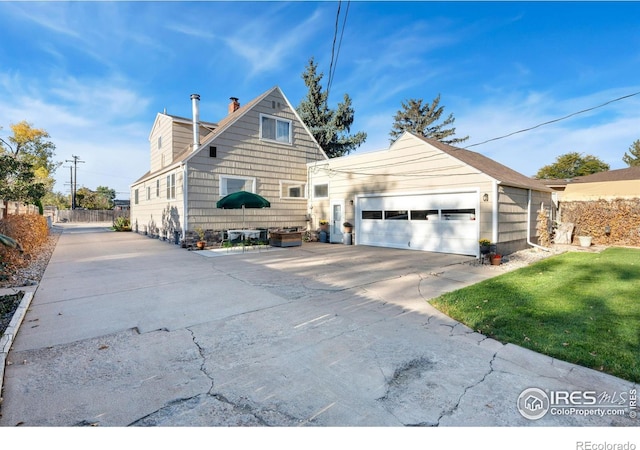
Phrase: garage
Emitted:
{"points": [[438, 222]]}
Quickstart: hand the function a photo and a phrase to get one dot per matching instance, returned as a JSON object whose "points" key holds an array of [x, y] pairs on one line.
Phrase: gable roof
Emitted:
{"points": [[630, 173], [220, 127], [488, 166]]}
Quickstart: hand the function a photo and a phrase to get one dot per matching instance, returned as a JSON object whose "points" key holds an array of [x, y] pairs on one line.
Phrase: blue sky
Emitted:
{"points": [[94, 74]]}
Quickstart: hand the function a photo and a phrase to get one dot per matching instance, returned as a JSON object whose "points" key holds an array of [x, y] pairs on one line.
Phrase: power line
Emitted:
{"points": [[334, 61], [554, 120]]}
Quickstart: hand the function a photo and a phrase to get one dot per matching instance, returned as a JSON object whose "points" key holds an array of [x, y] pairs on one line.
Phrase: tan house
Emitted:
{"points": [[422, 194], [261, 147], [613, 184]]}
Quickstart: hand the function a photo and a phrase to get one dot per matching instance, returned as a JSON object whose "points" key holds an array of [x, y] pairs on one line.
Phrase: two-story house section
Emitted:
{"points": [[261, 147]]}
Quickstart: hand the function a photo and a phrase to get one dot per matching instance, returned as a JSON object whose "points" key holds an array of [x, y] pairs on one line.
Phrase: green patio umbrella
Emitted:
{"points": [[243, 200]]}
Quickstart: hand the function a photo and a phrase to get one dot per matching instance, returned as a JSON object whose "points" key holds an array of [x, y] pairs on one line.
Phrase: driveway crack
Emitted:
{"points": [[452, 410], [202, 353]]}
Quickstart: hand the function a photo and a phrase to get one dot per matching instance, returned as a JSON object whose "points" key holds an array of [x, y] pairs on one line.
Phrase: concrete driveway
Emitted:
{"points": [[126, 330]]}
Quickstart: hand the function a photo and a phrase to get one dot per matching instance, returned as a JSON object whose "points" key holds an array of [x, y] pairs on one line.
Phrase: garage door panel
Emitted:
{"points": [[426, 229]]}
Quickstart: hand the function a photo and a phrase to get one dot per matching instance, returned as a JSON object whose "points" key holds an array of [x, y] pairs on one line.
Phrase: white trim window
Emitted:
{"points": [[233, 183], [275, 129], [148, 192], [293, 189], [171, 186], [321, 190]]}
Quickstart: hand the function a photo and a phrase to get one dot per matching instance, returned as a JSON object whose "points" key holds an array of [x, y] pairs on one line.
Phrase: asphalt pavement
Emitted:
{"points": [[126, 330]]}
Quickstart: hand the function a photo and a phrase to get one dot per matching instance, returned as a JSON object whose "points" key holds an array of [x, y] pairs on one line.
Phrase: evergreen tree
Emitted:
{"points": [[571, 165], [422, 120], [633, 157], [329, 127]]}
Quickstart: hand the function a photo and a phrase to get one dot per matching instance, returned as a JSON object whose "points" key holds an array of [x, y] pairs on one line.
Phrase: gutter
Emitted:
{"points": [[529, 225]]}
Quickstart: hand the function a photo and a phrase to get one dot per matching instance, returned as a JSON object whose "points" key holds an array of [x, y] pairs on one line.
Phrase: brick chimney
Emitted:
{"points": [[234, 105]]}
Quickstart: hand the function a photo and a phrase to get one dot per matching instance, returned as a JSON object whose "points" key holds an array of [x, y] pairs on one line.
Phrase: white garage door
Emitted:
{"points": [[443, 222]]}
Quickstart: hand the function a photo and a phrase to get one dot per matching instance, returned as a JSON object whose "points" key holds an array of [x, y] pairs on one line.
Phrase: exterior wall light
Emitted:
{"points": [[485, 197]]}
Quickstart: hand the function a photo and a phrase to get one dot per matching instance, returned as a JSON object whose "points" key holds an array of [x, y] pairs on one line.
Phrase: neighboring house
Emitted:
{"points": [[261, 147], [609, 185], [604, 206], [425, 195]]}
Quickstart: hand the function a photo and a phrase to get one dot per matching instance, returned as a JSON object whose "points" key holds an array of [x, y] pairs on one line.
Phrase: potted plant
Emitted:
{"points": [[496, 259], [201, 243], [324, 225], [348, 227], [484, 246]]}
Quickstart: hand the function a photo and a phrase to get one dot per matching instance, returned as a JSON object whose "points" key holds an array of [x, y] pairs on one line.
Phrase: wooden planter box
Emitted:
{"points": [[286, 238]]}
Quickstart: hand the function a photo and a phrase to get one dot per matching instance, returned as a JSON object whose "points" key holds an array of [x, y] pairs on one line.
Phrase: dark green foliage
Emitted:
{"points": [[329, 127], [422, 119]]}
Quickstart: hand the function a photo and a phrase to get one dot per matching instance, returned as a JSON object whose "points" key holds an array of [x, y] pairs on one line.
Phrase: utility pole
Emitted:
{"points": [[70, 184], [74, 179]]}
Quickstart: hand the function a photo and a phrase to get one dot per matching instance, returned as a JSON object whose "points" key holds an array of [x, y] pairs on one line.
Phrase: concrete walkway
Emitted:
{"points": [[126, 330]]}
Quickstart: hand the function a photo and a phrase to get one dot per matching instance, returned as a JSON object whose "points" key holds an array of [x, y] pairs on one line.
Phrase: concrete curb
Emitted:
{"points": [[7, 338]]}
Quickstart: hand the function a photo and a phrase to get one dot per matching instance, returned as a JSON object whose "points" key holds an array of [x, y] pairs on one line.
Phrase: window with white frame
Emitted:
{"points": [[135, 197], [321, 191], [293, 189], [148, 192], [171, 186], [158, 188], [230, 184], [275, 129]]}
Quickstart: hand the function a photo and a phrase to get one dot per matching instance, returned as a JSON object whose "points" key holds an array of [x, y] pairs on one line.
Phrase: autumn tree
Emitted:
{"points": [[571, 165], [633, 157], [329, 127], [32, 151], [18, 182], [423, 119]]}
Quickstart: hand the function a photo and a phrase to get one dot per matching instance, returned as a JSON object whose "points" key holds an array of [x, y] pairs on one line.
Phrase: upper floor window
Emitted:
{"points": [[159, 142], [158, 188], [171, 186], [275, 129]]}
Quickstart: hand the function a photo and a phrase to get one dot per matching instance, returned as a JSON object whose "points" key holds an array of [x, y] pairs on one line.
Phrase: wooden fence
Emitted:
{"points": [[15, 208], [89, 215]]}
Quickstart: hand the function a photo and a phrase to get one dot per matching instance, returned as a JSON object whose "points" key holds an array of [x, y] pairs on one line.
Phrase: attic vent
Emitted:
{"points": [[213, 151], [275, 105]]}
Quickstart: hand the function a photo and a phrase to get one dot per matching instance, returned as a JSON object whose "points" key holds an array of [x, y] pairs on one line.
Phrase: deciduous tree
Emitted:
{"points": [[571, 165]]}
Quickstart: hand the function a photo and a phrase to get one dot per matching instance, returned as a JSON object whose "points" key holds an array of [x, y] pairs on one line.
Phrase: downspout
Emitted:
{"points": [[185, 200], [529, 226], [494, 214]]}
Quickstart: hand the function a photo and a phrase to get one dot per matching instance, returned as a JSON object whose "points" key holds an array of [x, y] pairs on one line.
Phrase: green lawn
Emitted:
{"points": [[583, 308]]}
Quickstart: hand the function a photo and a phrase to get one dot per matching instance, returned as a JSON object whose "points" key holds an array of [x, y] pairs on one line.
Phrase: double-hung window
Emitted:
{"points": [[275, 129], [171, 186]]}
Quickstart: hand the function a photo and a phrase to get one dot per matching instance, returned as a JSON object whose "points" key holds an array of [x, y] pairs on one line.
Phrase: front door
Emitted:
{"points": [[336, 220]]}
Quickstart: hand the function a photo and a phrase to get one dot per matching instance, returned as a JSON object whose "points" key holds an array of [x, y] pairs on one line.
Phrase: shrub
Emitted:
{"points": [[31, 231], [122, 224]]}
